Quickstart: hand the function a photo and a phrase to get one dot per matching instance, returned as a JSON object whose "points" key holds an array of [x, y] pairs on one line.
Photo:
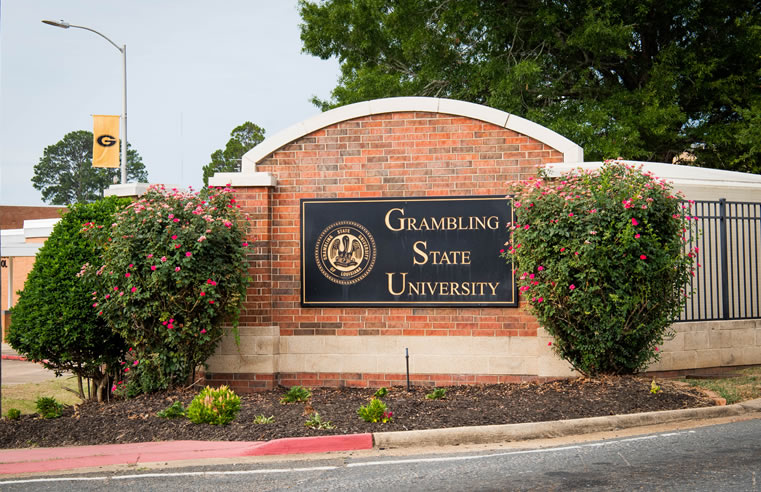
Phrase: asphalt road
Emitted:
{"points": [[712, 458]]}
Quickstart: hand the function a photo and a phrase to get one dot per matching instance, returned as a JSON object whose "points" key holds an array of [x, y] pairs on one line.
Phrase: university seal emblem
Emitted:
{"points": [[345, 252]]}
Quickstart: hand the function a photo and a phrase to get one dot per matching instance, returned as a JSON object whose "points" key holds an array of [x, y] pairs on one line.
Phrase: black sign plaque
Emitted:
{"points": [[441, 251]]}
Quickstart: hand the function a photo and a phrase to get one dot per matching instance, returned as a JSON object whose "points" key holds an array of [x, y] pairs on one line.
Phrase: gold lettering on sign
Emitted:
{"points": [[398, 286], [396, 221]]}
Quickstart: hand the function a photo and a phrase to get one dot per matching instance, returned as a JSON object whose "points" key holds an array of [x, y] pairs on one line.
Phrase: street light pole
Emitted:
{"points": [[123, 50]]}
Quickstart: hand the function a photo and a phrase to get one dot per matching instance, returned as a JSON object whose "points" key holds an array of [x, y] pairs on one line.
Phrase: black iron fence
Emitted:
{"points": [[726, 284]]}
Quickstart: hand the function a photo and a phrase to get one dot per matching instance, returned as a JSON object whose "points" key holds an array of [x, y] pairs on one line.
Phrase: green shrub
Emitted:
{"points": [[600, 260], [173, 411], [214, 406], [14, 414], [54, 319], [315, 422], [382, 391], [296, 393], [49, 408], [375, 411], [174, 273], [437, 394], [261, 419]]}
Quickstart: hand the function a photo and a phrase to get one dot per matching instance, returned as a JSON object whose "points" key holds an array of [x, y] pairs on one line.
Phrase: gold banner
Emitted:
{"points": [[105, 142]]}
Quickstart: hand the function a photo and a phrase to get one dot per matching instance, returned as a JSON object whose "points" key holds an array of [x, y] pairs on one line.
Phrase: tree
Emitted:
{"points": [[600, 260], [65, 174], [649, 80], [242, 139], [53, 321]]}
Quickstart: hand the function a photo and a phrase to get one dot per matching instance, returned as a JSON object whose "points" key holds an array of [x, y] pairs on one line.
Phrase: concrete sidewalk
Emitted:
{"points": [[42, 460]]}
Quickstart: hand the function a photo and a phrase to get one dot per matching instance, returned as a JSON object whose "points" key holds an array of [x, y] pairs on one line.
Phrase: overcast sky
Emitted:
{"points": [[195, 70]]}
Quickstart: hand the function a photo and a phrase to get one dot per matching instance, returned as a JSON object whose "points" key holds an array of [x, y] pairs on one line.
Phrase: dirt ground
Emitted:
{"points": [[135, 420]]}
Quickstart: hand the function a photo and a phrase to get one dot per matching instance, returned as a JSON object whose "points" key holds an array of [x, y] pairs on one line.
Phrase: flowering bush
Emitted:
{"points": [[599, 257], [173, 270]]}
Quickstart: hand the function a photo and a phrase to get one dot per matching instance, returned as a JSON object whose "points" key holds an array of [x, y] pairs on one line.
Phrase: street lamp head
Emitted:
{"points": [[63, 24]]}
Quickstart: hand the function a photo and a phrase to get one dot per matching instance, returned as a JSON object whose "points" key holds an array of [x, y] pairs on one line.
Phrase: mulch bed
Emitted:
{"points": [[135, 420]]}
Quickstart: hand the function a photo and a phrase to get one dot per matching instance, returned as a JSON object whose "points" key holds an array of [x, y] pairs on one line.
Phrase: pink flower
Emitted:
{"points": [[203, 294], [176, 269], [177, 246], [171, 216], [121, 294], [95, 304], [540, 299], [176, 220], [549, 344], [634, 222], [150, 255], [642, 257], [562, 249], [113, 388], [153, 268], [170, 326], [127, 275], [531, 276], [540, 268], [135, 363], [163, 259], [203, 330], [501, 250], [571, 287], [126, 369], [571, 214], [246, 244], [108, 295], [636, 236], [133, 289], [130, 265], [656, 349], [116, 288], [211, 302], [188, 254], [174, 236]]}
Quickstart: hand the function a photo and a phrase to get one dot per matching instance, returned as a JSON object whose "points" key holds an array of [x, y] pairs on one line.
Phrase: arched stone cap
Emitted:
{"points": [[249, 177]]}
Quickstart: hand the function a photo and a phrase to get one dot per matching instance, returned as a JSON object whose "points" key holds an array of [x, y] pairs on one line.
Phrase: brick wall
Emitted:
{"points": [[403, 154]]}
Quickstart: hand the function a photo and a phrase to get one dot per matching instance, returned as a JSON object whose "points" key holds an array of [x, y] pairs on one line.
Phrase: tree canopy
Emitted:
{"points": [[243, 138], [648, 80], [65, 174]]}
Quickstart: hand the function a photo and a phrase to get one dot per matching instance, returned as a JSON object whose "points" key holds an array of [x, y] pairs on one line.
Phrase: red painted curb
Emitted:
{"points": [[14, 357], [321, 444], [38, 460]]}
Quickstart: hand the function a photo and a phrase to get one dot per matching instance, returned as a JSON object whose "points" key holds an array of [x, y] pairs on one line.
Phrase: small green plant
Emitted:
{"points": [[14, 414], [49, 408], [296, 393], [315, 422], [654, 388], [173, 411], [437, 394], [383, 391], [375, 411], [261, 419], [214, 406]]}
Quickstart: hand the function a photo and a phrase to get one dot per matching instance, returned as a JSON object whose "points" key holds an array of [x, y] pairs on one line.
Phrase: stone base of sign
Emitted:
{"points": [[265, 359]]}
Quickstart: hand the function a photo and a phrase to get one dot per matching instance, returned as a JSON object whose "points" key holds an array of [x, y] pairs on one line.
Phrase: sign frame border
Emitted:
{"points": [[514, 303]]}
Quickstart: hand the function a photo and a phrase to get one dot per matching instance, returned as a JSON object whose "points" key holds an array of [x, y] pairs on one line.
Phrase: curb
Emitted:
{"points": [[39, 460], [14, 357], [490, 434]]}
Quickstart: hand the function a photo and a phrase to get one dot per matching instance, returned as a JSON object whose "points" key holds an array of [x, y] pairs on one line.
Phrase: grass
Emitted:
{"points": [[24, 396], [746, 386]]}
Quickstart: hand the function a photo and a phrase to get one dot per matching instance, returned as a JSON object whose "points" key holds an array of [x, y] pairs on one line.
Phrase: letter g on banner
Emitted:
{"points": [[106, 140], [105, 151]]}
